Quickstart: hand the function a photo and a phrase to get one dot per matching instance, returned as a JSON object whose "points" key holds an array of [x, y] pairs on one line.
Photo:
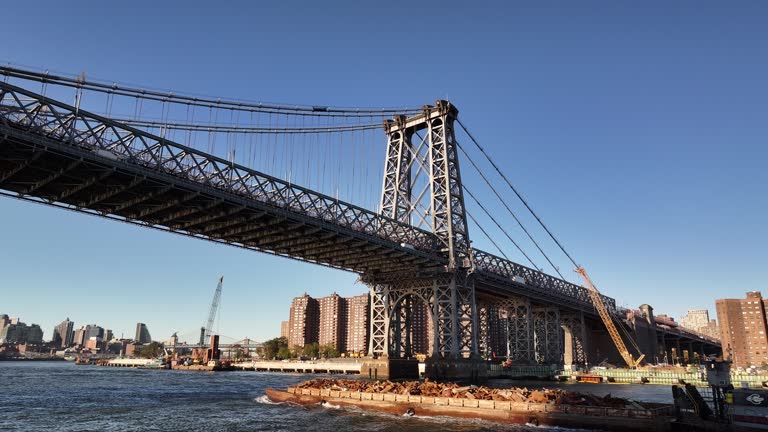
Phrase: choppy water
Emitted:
{"points": [[59, 396]]}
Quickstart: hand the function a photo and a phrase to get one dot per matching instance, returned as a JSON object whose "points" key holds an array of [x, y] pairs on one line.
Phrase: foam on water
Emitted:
{"points": [[264, 399]]}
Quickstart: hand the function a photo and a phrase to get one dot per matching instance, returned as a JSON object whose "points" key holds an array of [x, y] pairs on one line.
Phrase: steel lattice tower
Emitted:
{"points": [[449, 292]]}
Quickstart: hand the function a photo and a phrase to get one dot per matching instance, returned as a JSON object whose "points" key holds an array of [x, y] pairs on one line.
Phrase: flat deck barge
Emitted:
{"points": [[638, 417]]}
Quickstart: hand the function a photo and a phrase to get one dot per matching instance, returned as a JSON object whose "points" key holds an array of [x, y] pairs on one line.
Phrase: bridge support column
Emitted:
{"points": [[575, 339], [378, 344], [519, 331], [484, 338], [437, 314], [546, 335]]}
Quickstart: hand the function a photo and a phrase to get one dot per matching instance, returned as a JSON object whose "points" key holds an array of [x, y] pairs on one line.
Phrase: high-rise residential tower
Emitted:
{"points": [[142, 334], [303, 323], [63, 334], [332, 321], [743, 329]]}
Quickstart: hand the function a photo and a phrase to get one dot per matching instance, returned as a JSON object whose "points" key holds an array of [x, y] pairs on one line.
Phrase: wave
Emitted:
{"points": [[329, 405], [264, 399]]}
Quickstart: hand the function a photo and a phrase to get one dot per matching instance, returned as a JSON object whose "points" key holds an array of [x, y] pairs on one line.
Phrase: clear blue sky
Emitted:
{"points": [[638, 131]]}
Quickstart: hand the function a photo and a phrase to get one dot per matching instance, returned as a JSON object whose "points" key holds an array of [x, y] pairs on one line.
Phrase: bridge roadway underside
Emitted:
{"points": [[41, 169]]}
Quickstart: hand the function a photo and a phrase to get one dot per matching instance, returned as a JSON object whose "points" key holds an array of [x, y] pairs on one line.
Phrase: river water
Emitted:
{"points": [[61, 396]]}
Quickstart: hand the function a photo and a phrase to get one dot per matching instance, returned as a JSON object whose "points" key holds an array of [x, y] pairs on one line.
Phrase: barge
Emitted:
{"points": [[637, 417]]}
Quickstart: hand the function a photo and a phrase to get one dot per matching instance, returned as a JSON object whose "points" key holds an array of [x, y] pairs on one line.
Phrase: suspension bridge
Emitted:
{"points": [[308, 183]]}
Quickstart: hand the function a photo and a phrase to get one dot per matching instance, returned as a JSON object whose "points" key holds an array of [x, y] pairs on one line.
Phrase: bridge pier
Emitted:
{"points": [[575, 346], [436, 316], [546, 335]]}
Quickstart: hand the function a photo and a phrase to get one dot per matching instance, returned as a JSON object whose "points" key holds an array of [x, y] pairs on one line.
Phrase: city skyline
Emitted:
{"points": [[284, 328], [651, 176]]}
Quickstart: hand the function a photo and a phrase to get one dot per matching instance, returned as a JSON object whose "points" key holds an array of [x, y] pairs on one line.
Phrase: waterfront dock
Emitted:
{"points": [[342, 368], [692, 376], [133, 363]]}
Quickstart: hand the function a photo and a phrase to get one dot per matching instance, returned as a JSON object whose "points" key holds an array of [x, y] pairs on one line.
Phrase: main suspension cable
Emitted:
{"points": [[485, 233], [512, 213], [122, 90], [496, 167], [202, 127], [471, 195]]}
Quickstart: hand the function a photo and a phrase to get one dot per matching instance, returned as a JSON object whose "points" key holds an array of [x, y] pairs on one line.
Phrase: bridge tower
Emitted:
{"points": [[424, 146]]}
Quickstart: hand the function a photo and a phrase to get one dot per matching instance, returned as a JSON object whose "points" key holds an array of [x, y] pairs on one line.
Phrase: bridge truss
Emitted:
{"points": [[415, 252]]}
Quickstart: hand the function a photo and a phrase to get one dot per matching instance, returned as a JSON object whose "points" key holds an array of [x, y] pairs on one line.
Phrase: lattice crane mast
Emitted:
{"points": [[205, 332], [608, 321]]}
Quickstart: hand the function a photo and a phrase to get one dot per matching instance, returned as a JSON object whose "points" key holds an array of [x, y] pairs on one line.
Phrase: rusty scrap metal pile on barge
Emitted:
{"points": [[515, 405]]}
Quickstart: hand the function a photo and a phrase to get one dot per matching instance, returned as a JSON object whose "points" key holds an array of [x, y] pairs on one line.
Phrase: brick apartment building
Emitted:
{"points": [[333, 320], [358, 313], [743, 329], [303, 322]]}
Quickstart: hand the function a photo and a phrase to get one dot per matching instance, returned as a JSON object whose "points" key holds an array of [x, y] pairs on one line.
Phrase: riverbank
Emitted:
{"points": [[32, 359]]}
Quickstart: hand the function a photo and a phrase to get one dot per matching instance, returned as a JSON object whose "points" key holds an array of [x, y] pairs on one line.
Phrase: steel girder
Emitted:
{"points": [[396, 187], [513, 329], [126, 205], [166, 206], [306, 244], [171, 219], [88, 183], [452, 300], [96, 199], [37, 186], [544, 286], [20, 167], [483, 330], [34, 114], [449, 219], [575, 338], [233, 222], [208, 218], [547, 334], [388, 312], [289, 237], [493, 322]]}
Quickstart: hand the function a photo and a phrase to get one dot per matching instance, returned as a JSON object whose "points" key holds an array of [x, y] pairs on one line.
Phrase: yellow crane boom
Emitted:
{"points": [[606, 317]]}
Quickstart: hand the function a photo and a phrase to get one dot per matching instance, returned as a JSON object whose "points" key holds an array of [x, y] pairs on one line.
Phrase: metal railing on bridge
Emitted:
{"points": [[34, 114], [28, 115]]}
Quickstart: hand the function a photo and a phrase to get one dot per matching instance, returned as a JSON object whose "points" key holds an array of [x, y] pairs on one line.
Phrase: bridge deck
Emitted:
{"points": [[40, 167], [57, 154]]}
